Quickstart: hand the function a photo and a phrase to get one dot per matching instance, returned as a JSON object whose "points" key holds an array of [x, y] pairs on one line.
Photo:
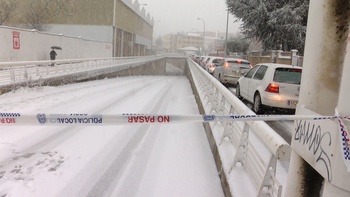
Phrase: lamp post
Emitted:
{"points": [[203, 31], [225, 52]]}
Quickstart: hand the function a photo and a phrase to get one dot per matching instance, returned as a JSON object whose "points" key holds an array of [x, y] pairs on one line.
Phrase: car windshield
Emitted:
{"points": [[216, 60], [287, 75]]}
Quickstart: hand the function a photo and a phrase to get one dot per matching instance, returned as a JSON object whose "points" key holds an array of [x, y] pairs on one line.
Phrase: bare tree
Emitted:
{"points": [[7, 8], [36, 16]]}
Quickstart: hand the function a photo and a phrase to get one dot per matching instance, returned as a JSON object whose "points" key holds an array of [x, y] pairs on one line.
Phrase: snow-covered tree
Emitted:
{"points": [[237, 44], [278, 24]]}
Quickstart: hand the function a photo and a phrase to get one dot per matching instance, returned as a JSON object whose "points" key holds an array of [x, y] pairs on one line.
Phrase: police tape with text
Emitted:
{"points": [[7, 119]]}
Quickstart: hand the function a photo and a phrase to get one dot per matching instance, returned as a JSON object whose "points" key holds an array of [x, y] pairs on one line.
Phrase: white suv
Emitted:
{"points": [[273, 85]]}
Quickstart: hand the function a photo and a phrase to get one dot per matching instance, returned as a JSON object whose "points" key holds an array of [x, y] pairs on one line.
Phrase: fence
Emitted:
{"points": [[251, 146], [37, 73], [281, 57]]}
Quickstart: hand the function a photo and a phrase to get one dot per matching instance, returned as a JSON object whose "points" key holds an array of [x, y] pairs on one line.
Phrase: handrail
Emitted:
{"points": [[274, 142], [13, 73], [218, 100]]}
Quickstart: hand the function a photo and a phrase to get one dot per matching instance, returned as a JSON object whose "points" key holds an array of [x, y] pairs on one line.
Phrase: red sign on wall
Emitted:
{"points": [[15, 40]]}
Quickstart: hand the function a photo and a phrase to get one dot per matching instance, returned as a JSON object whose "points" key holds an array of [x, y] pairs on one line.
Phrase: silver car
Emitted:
{"points": [[212, 63], [270, 85], [229, 70]]}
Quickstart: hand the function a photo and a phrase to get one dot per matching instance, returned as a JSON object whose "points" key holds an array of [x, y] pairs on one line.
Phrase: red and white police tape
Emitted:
{"points": [[18, 119]]}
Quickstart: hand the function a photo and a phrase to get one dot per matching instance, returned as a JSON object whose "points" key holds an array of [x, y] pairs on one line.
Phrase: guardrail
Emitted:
{"points": [[31, 73], [249, 145]]}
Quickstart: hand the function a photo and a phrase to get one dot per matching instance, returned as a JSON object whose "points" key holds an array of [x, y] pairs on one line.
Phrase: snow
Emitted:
{"points": [[124, 160], [137, 160]]}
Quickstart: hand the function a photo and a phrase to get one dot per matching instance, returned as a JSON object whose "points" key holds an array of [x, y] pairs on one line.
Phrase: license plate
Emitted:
{"points": [[292, 103]]}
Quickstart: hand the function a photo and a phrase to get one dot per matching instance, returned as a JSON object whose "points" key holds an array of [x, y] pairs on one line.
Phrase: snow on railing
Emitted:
{"points": [[25, 72], [252, 146]]}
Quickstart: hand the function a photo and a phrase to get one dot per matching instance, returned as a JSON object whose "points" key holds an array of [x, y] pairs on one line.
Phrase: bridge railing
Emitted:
{"points": [[251, 146], [35, 72]]}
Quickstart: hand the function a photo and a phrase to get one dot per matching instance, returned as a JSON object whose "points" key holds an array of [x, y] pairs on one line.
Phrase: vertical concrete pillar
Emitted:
{"points": [[294, 57], [343, 108], [122, 44], [273, 56], [325, 50]]}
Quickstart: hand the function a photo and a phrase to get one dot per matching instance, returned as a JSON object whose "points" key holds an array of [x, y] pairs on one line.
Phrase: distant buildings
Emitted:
{"points": [[212, 43]]}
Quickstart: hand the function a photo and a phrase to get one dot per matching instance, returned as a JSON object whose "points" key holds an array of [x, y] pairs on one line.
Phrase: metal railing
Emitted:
{"points": [[256, 147], [28, 72]]}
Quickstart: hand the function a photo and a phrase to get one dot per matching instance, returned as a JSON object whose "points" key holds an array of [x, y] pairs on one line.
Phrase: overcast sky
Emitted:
{"points": [[181, 16]]}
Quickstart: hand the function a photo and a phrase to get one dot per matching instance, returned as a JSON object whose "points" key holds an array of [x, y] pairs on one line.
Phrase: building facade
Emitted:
{"points": [[121, 22], [210, 44], [175, 42]]}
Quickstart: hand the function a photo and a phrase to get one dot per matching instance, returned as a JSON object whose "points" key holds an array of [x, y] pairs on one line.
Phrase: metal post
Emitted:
{"points": [[203, 32], [225, 52]]}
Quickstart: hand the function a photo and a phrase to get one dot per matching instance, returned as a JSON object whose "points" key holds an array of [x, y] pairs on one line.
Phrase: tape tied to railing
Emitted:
{"points": [[13, 119]]}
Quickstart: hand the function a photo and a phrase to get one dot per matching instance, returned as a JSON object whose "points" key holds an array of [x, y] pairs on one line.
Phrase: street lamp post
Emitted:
{"points": [[225, 52], [203, 31]]}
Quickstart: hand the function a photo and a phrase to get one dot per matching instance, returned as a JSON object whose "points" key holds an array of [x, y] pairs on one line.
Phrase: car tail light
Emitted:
{"points": [[226, 65], [273, 88]]}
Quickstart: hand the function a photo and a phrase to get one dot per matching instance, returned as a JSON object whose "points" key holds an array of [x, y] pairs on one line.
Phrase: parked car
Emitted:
{"points": [[230, 70], [212, 63], [270, 85], [203, 61], [196, 59]]}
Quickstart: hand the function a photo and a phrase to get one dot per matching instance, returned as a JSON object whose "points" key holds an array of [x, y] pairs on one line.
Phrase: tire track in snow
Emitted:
{"points": [[73, 89], [111, 178], [62, 134]]}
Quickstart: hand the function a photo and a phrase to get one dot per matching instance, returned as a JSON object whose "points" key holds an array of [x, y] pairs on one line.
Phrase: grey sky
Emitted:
{"points": [[181, 16]]}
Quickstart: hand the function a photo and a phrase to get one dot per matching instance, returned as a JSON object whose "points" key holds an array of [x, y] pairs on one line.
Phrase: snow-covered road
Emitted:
{"points": [[126, 160]]}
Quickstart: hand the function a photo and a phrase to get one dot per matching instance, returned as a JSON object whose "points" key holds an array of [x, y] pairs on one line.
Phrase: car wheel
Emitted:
{"points": [[238, 92], [258, 107]]}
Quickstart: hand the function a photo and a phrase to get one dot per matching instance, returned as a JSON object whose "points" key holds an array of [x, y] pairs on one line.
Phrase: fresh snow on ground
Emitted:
{"points": [[126, 160]]}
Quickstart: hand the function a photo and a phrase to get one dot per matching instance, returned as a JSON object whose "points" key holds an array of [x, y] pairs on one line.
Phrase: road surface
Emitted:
{"points": [[137, 160]]}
